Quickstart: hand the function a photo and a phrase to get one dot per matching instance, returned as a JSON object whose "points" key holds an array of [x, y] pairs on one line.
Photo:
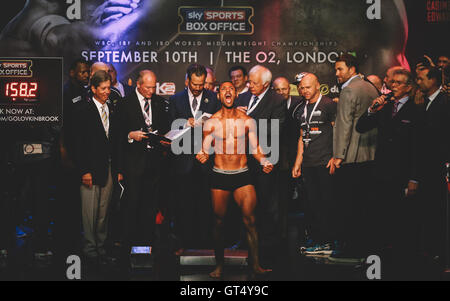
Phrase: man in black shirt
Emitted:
{"points": [[314, 157]]}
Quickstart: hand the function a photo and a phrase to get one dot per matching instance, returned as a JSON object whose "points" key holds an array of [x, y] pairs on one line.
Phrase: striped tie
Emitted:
{"points": [[146, 106], [105, 118]]}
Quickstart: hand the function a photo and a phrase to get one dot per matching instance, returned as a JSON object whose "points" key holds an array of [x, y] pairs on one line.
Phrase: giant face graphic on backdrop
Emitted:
{"points": [[288, 36]]}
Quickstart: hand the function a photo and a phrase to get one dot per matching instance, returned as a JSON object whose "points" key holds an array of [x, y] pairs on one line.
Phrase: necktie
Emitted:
{"points": [[147, 112], [105, 119], [395, 108], [146, 106], [255, 101], [194, 104]]}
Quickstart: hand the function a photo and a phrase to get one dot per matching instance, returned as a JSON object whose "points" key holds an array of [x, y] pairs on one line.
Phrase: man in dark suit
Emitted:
{"points": [[265, 105], [68, 219], [193, 205], [353, 154], [141, 160], [288, 146], [95, 162], [436, 154], [397, 157]]}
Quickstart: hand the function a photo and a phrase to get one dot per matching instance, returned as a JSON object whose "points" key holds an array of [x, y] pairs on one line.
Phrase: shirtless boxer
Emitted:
{"points": [[230, 130]]}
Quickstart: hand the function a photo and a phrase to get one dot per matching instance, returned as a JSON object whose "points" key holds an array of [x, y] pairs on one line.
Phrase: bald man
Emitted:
{"points": [[141, 163], [314, 160], [376, 81], [210, 81], [288, 144]]}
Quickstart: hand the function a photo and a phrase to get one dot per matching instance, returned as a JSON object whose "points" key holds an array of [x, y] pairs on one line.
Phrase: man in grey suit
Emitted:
{"points": [[353, 156]]}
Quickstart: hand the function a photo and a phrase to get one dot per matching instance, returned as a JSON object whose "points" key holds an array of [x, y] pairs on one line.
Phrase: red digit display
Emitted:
{"points": [[22, 89]]}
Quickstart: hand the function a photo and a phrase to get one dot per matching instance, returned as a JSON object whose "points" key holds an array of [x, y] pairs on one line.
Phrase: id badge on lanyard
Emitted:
{"points": [[307, 136]]}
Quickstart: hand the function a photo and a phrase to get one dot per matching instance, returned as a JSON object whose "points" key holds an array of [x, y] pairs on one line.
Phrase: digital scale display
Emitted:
{"points": [[31, 90], [21, 91]]}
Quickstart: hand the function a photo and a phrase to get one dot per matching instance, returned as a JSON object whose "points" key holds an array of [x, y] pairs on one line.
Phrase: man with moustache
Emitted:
{"points": [[263, 104], [315, 162], [192, 195], [353, 155], [229, 130]]}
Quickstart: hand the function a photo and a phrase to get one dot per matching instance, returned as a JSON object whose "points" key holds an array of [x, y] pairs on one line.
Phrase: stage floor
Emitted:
{"points": [[195, 265]]}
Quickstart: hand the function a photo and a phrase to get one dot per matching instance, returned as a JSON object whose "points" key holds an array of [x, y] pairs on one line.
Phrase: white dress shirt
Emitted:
{"points": [[99, 108], [120, 88], [289, 102], [348, 81], [243, 90], [142, 103], [433, 96], [260, 96]]}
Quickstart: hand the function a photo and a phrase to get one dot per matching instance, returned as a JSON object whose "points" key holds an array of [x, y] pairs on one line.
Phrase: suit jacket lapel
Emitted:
{"points": [[403, 110], [260, 105], [186, 105], [138, 110], [203, 102]]}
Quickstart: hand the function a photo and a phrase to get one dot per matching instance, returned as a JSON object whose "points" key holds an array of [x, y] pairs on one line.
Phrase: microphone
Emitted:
{"points": [[389, 97]]}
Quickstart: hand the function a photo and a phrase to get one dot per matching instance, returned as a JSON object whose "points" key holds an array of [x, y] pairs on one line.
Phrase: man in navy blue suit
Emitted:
{"points": [[192, 200]]}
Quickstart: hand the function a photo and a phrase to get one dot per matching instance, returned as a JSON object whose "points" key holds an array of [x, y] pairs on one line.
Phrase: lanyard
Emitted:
{"points": [[305, 111]]}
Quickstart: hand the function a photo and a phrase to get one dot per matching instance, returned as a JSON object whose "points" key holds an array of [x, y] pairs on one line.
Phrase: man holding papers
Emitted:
{"points": [[140, 161], [192, 196]]}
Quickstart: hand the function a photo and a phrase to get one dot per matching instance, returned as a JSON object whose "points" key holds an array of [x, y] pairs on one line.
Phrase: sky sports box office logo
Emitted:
{"points": [[215, 20]]}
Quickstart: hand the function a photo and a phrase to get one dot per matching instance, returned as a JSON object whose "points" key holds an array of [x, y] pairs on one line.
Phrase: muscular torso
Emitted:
{"points": [[230, 140]]}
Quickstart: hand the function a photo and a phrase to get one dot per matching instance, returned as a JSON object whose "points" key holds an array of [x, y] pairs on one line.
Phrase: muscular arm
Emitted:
{"points": [[208, 139]]}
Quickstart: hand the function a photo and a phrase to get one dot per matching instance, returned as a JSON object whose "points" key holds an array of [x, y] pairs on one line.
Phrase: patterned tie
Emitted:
{"points": [[105, 118], [147, 106], [194, 104], [255, 101], [395, 108]]}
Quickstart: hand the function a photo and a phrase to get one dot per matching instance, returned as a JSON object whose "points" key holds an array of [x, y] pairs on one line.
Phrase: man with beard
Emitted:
{"points": [[191, 199], [229, 130], [353, 155]]}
